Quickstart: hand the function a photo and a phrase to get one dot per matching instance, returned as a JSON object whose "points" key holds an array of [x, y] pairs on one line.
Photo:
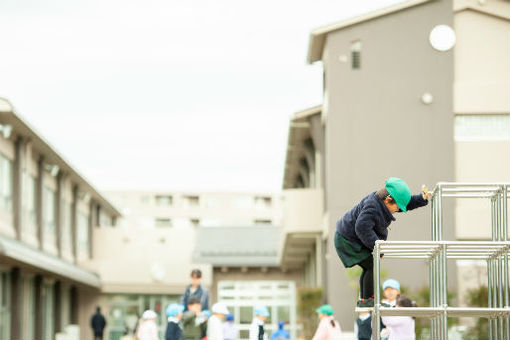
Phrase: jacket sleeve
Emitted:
{"points": [[205, 298], [364, 226], [417, 201]]}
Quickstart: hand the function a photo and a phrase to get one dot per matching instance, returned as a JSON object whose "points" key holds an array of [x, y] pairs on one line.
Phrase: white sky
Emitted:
{"points": [[166, 95]]}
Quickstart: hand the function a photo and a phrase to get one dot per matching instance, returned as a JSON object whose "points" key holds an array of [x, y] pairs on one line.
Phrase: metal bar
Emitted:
{"points": [[445, 291], [504, 218], [376, 333]]}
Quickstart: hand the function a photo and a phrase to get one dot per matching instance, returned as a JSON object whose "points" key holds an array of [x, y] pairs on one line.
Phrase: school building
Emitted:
{"points": [[419, 91], [248, 251], [48, 214]]}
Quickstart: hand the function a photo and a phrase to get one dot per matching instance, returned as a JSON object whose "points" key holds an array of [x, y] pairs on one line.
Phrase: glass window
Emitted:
{"points": [[29, 202], [163, 222], [482, 127], [191, 200], [83, 235], [356, 55], [245, 202], [48, 311], [30, 308], [104, 219], [5, 184], [195, 222], [262, 222], [163, 200], [67, 222], [49, 200], [263, 202], [246, 314], [5, 309]]}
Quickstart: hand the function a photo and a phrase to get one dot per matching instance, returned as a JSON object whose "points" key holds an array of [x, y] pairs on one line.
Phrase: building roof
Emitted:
{"points": [[27, 255], [238, 246], [22, 128], [318, 36], [299, 130], [499, 9]]}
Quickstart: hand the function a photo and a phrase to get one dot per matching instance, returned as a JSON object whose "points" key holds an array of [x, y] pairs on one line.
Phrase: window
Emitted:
{"points": [[83, 235], [48, 311], [278, 296], [262, 222], [195, 222], [482, 127], [5, 184], [163, 222], [67, 225], [191, 201], [49, 200], [163, 200], [5, 309], [104, 219], [262, 202], [356, 55], [29, 202]]}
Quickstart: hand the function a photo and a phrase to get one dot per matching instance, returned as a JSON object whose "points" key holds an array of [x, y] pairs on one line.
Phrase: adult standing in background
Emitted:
{"points": [[98, 323], [196, 290]]}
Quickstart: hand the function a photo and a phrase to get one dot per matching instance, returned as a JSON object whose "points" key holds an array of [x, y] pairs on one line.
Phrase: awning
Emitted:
{"points": [[238, 246], [33, 257]]}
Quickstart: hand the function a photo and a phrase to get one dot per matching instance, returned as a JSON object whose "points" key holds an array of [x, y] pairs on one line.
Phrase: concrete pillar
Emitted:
{"points": [[16, 304], [17, 193], [58, 307], [74, 222], [318, 261], [59, 211], [39, 307], [39, 202]]}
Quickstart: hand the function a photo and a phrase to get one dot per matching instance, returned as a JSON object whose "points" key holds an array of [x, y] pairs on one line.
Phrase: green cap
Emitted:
{"points": [[399, 191], [325, 309]]}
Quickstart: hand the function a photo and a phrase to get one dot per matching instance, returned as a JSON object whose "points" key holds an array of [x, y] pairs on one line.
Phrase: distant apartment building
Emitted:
{"points": [[248, 251], [419, 91], [48, 214]]}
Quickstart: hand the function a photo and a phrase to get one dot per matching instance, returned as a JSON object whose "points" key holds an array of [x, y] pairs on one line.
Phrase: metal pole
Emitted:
{"points": [[439, 236], [444, 291], [505, 238], [376, 333], [489, 291]]}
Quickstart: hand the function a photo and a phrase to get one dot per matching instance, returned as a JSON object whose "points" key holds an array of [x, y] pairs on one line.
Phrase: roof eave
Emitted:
{"points": [[7, 112], [318, 36]]}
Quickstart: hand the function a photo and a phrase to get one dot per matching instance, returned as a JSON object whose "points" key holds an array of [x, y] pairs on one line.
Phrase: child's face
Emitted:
{"points": [[391, 293], [391, 205], [195, 308]]}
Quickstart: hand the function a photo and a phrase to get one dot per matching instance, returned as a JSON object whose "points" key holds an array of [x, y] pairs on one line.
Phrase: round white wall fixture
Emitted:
{"points": [[427, 98], [442, 38], [158, 272]]}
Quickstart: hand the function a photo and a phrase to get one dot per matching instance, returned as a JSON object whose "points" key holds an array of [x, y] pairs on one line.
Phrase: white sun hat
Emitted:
{"points": [[148, 314], [220, 308]]}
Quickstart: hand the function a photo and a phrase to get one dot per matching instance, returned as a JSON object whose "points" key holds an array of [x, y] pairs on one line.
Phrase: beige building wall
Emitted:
{"points": [[481, 59], [141, 208], [481, 87], [145, 261]]}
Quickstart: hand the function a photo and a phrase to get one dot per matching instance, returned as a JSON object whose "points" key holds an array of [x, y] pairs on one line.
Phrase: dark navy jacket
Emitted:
{"points": [[368, 221]]}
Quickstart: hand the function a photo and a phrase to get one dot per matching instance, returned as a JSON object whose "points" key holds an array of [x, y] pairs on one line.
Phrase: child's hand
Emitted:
{"points": [[425, 193]]}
